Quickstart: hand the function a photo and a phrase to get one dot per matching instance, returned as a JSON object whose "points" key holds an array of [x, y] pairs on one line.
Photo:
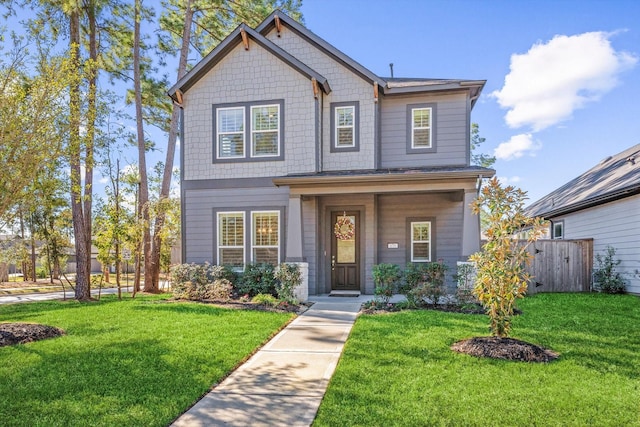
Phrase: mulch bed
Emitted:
{"points": [[21, 333], [248, 305], [504, 348]]}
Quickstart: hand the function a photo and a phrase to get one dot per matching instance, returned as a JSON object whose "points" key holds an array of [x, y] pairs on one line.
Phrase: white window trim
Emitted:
{"points": [[553, 230], [414, 128], [219, 133], [253, 232], [338, 127], [219, 236], [421, 241], [277, 154]]}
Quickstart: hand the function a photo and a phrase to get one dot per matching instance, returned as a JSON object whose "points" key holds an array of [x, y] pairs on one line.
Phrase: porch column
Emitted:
{"points": [[470, 226], [294, 230]]}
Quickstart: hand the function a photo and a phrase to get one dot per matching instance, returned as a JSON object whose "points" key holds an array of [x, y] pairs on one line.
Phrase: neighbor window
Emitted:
{"points": [[265, 245], [421, 241], [231, 239], [421, 128], [230, 132], [557, 230], [249, 131], [265, 130], [344, 126]]}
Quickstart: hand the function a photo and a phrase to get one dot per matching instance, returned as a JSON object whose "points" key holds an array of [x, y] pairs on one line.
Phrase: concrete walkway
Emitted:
{"points": [[284, 382]]}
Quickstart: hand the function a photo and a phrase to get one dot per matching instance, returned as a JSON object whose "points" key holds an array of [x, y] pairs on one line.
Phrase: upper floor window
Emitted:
{"points": [[421, 132], [421, 128], [344, 126], [231, 132], [265, 130], [251, 131]]}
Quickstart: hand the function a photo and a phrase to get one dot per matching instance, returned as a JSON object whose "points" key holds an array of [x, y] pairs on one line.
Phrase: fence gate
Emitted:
{"points": [[561, 266]]}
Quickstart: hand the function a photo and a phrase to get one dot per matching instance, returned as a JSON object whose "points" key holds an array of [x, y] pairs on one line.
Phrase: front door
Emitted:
{"points": [[345, 250]]}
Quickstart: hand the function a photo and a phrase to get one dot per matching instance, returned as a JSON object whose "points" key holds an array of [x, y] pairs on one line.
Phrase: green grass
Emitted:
{"points": [[397, 369], [136, 362]]}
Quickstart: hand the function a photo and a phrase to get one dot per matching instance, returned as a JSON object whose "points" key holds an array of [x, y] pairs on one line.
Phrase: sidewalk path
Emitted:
{"points": [[284, 382]]}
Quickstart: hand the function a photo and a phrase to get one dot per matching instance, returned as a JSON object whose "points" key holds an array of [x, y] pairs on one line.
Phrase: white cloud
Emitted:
{"points": [[549, 82], [509, 180], [516, 147], [103, 180]]}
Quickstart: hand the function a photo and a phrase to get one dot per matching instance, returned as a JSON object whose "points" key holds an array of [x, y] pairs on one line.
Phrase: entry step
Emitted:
{"points": [[348, 294]]}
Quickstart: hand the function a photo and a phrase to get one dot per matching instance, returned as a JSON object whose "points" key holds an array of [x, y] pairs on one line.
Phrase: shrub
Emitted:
{"points": [[501, 277], [288, 276], [386, 278], [265, 299], [258, 279], [464, 284], [220, 289], [425, 281], [202, 281], [605, 277]]}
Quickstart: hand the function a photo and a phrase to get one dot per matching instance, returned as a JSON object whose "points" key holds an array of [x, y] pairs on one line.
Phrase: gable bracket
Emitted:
{"points": [[179, 97], [375, 92], [314, 84], [245, 39], [278, 24]]}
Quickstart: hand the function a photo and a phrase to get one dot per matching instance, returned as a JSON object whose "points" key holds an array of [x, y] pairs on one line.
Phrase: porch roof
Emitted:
{"points": [[385, 180]]}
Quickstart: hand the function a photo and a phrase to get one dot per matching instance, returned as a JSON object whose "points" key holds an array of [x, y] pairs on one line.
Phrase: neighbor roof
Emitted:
{"points": [[612, 179]]}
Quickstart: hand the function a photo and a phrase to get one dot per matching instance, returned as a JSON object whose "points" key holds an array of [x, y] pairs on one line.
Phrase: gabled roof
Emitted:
{"points": [[388, 86], [612, 179], [229, 43], [270, 23]]}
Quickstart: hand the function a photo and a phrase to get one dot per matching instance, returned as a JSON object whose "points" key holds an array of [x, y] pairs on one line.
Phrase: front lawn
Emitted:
{"points": [[397, 369], [136, 362]]}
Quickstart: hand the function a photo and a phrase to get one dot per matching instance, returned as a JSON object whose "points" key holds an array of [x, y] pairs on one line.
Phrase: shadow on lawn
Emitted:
{"points": [[118, 383], [22, 310]]}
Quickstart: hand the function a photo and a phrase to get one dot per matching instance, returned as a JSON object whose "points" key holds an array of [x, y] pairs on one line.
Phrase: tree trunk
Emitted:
{"points": [[4, 272], [83, 285], [171, 148], [91, 120]]}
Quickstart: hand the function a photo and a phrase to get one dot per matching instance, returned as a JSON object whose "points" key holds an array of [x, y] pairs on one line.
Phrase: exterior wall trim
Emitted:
{"points": [[217, 184]]}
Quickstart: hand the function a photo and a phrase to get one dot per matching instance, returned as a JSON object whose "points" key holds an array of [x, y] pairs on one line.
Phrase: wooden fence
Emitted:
{"points": [[561, 266]]}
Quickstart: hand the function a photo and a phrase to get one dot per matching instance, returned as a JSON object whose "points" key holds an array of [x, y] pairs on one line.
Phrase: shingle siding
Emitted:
{"points": [[248, 76], [615, 224], [346, 86]]}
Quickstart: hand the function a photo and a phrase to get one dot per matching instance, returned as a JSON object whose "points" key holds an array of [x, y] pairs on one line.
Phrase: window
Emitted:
{"points": [[266, 237], [421, 241], [235, 246], [344, 126], [230, 132], [421, 128], [248, 131], [557, 230], [265, 129], [231, 239]]}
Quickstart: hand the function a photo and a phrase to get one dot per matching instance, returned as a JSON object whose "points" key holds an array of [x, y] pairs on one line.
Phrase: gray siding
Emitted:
{"points": [[310, 240], [615, 224], [452, 126], [445, 209], [199, 206]]}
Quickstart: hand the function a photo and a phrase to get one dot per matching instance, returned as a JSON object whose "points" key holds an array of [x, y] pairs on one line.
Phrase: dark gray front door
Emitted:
{"points": [[345, 251]]}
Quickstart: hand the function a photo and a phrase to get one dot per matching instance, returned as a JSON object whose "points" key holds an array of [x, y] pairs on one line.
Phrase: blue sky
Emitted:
{"points": [[563, 77]]}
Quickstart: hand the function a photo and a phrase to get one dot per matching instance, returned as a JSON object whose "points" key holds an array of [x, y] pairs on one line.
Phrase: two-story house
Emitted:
{"points": [[292, 151]]}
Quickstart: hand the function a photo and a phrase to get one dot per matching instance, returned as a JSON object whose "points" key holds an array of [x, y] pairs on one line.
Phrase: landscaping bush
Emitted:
{"points": [[202, 281], [425, 281], [386, 278], [258, 279], [288, 276], [465, 283], [605, 277], [266, 299]]}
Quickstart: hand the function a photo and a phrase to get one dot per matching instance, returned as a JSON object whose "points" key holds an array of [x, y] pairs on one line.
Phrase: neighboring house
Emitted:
{"points": [[284, 136], [603, 204]]}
